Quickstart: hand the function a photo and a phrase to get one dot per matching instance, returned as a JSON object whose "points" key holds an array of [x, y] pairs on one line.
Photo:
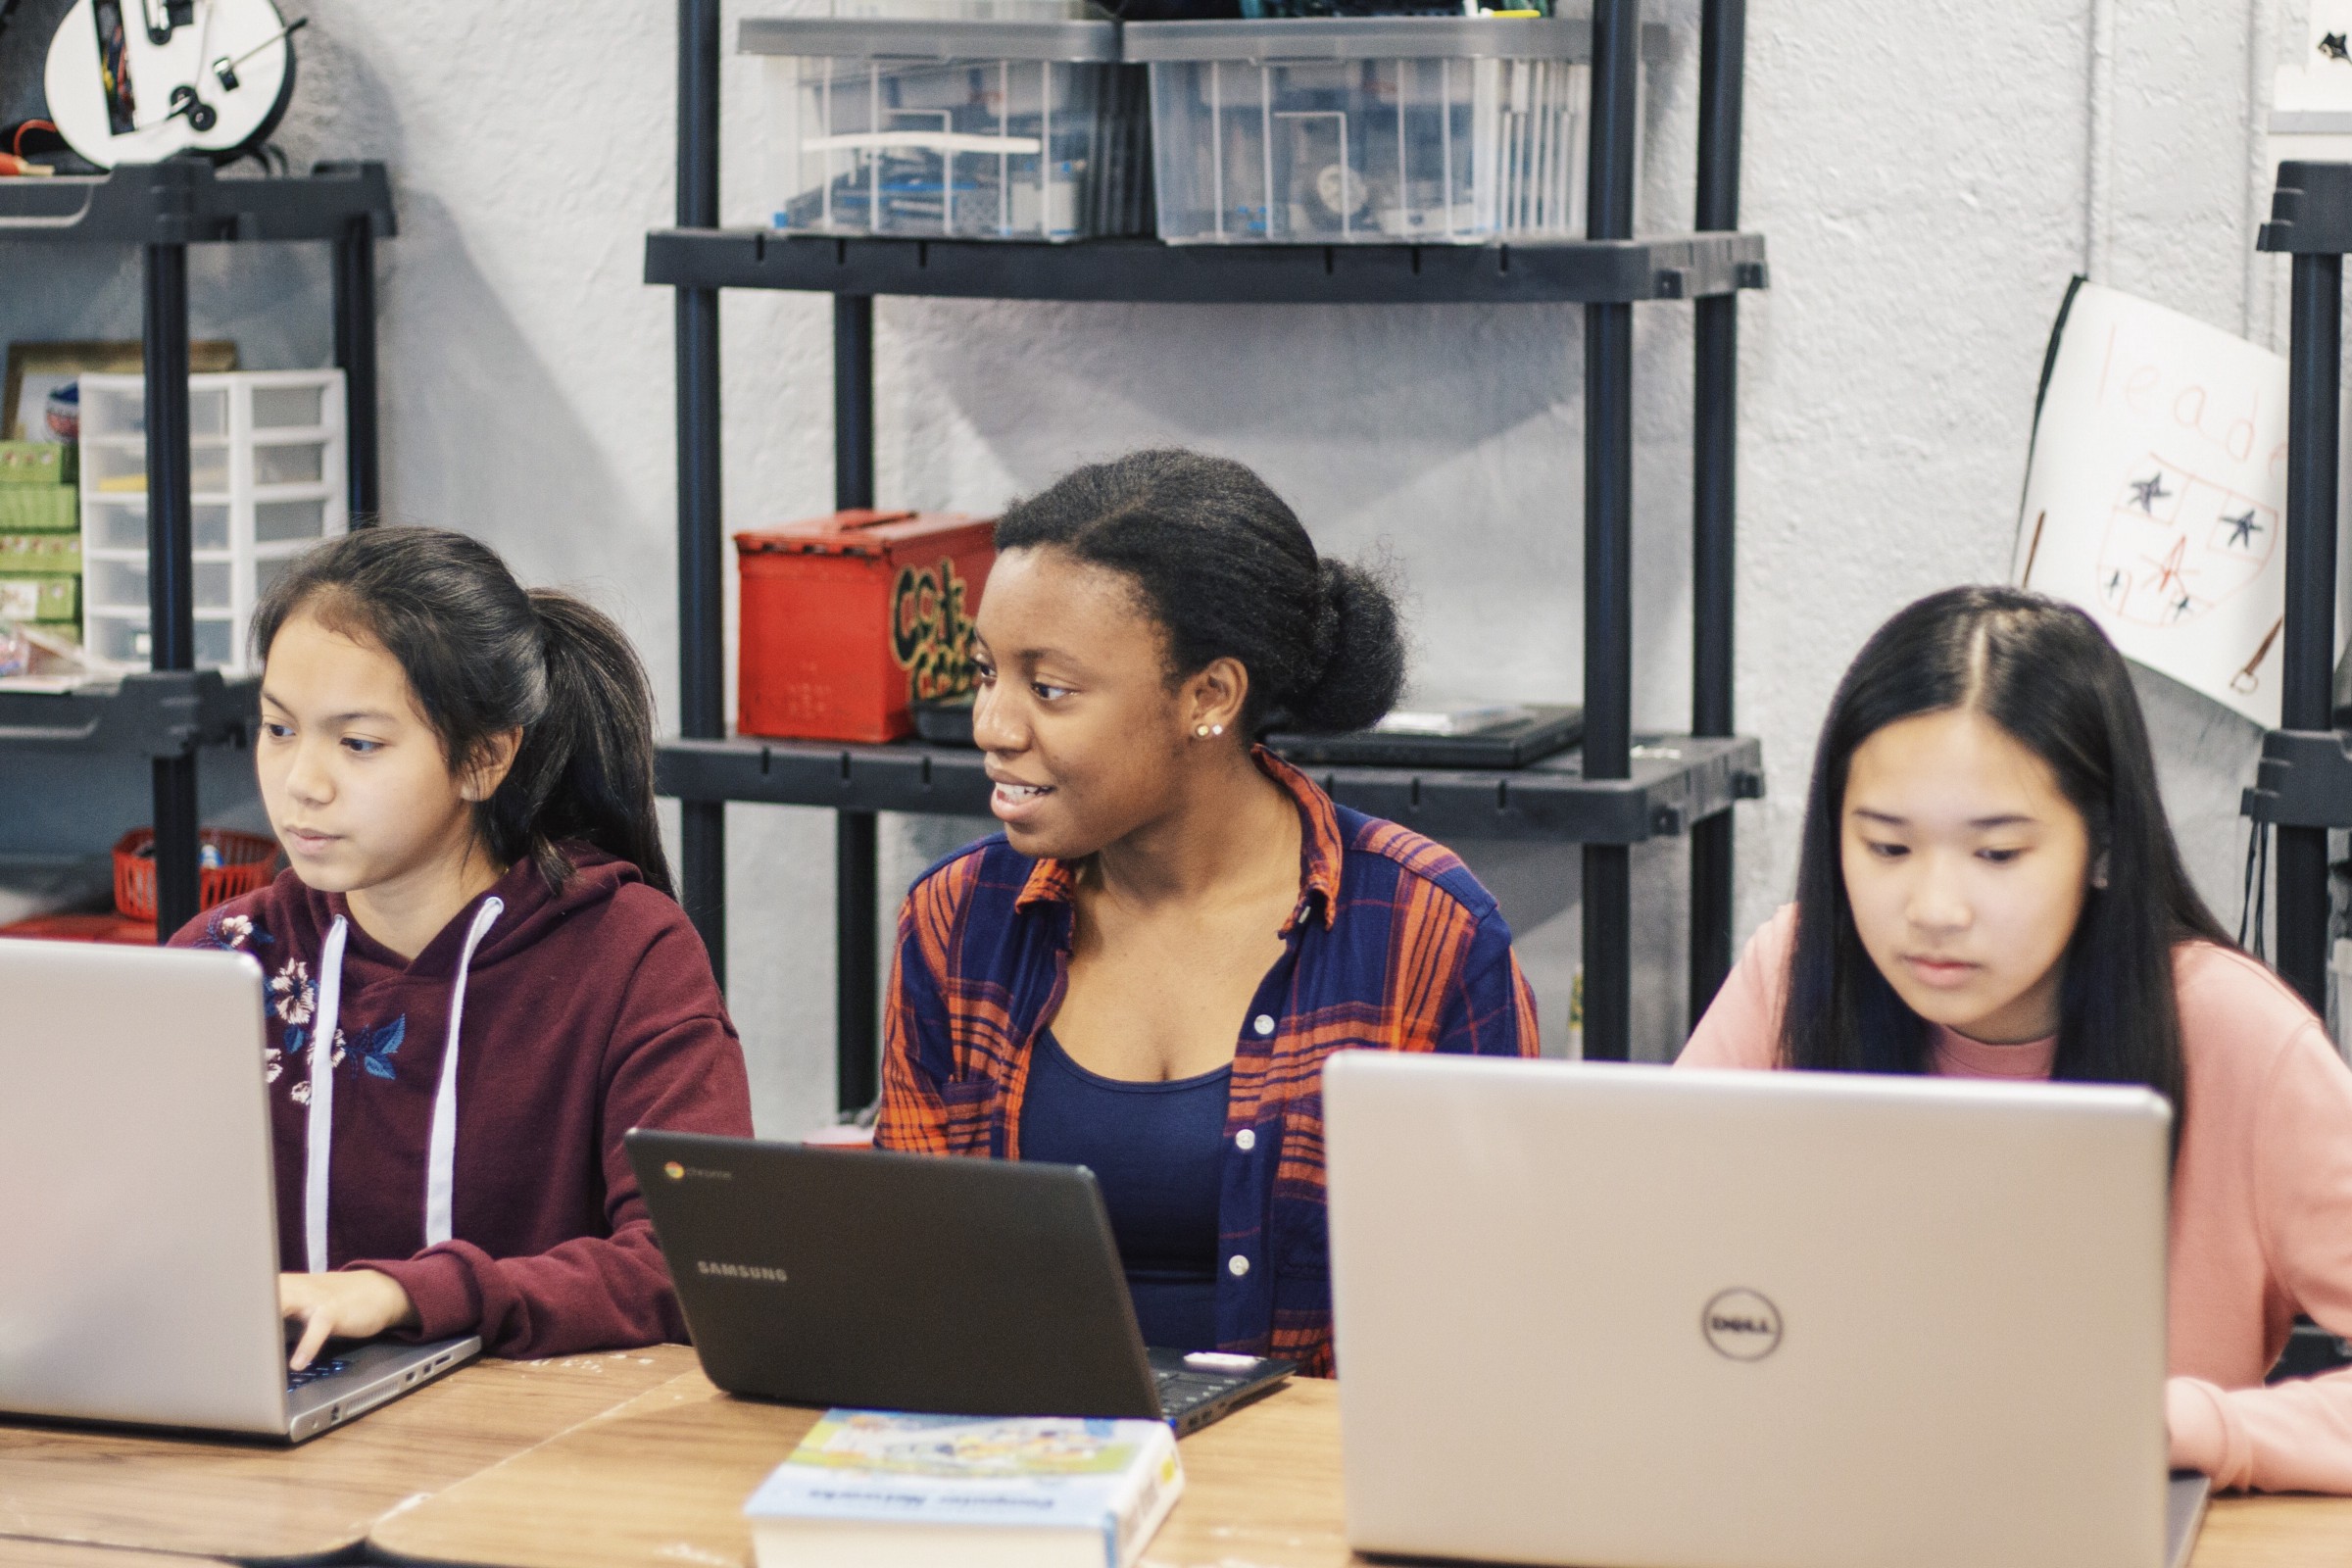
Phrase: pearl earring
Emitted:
{"points": [[1199, 732]]}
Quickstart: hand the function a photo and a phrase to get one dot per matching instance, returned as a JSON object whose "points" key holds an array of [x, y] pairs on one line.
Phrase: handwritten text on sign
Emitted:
{"points": [[2157, 492]]}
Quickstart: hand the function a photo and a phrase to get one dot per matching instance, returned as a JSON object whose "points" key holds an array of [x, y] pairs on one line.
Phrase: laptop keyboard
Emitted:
{"points": [[325, 1367], [1181, 1393]]}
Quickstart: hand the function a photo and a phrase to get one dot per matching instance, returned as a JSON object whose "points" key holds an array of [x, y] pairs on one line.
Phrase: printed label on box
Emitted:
{"points": [[931, 635]]}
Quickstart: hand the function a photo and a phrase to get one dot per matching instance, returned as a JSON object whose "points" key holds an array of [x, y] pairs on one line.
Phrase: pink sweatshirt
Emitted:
{"points": [[2262, 1200]]}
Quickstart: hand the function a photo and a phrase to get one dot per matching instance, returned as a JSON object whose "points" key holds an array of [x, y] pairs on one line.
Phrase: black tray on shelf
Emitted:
{"points": [[945, 720], [1547, 728]]}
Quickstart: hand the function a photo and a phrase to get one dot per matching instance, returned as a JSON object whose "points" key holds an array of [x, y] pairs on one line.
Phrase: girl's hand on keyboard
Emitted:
{"points": [[354, 1304]]}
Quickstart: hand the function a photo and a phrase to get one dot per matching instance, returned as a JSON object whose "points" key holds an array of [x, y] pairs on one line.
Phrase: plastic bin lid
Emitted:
{"points": [[924, 39], [1375, 39]]}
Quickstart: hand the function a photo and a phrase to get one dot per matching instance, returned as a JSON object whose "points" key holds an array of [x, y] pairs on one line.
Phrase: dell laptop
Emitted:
{"points": [[140, 1232], [1624, 1317], [904, 1282]]}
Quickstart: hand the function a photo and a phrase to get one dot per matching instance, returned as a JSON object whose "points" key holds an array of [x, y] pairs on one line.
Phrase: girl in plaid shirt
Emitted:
{"points": [[1145, 971]]}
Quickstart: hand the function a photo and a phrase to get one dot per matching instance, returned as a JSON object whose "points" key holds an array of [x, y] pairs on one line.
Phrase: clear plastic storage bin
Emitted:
{"points": [[1371, 130], [961, 127], [268, 471]]}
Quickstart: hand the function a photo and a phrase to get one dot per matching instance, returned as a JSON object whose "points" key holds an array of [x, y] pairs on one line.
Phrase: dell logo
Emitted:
{"points": [[1741, 1324], [758, 1272]]}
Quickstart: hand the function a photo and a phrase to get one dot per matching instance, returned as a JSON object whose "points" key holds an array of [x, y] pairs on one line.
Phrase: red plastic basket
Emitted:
{"points": [[245, 862]]}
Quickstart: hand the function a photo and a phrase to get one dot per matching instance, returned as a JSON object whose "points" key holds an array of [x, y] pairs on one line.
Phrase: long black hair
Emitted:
{"points": [[483, 656], [1225, 567], [2046, 674]]}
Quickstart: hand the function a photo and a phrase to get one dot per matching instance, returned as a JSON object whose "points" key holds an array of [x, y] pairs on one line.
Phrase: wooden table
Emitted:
{"points": [[211, 1497], [16, 1553], [2276, 1532], [660, 1481]]}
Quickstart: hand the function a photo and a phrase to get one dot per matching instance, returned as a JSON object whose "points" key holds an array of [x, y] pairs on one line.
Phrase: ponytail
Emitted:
{"points": [[586, 769], [484, 656]]}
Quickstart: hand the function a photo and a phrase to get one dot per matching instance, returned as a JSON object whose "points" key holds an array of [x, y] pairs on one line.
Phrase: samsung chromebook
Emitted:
{"points": [[902, 1282], [138, 1238], [1624, 1317]]}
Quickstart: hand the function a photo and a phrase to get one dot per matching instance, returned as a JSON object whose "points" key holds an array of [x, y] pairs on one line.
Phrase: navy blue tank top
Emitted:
{"points": [[1154, 1148]]}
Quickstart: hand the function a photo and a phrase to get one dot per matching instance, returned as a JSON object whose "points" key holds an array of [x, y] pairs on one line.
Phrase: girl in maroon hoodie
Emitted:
{"points": [[478, 977]]}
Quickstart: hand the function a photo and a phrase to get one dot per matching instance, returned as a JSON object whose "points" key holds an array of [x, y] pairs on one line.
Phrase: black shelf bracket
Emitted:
{"points": [[1673, 784], [187, 202], [162, 715], [163, 209], [2304, 781], [1714, 475], [1617, 270], [1617, 792], [2311, 221]]}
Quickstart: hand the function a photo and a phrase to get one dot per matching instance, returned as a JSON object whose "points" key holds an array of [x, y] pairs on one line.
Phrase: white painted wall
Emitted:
{"points": [[1921, 172]]}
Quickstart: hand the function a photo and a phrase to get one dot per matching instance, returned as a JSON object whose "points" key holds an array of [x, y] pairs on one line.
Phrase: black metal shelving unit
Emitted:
{"points": [[1610, 794], [172, 712], [2304, 785]]}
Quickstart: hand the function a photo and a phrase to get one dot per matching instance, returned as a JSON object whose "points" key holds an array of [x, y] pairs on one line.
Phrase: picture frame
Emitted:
{"points": [[37, 369]]}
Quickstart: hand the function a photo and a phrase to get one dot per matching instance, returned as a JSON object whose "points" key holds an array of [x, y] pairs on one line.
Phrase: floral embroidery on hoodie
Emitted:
{"points": [[298, 1045], [231, 933], [377, 1047], [238, 933], [291, 1001], [292, 996]]}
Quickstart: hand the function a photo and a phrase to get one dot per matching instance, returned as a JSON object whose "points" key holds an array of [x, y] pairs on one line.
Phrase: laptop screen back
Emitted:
{"points": [[139, 1231], [896, 1282], [1619, 1315]]}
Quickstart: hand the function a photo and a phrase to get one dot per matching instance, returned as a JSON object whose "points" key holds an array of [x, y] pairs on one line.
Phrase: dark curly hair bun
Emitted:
{"points": [[1361, 649], [1227, 571]]}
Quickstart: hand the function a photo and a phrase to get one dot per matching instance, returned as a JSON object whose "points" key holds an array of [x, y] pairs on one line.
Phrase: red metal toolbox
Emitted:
{"points": [[848, 618]]}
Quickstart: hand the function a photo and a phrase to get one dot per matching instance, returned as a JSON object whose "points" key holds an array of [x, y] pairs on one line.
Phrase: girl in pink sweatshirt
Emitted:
{"points": [[477, 977], [1987, 887]]}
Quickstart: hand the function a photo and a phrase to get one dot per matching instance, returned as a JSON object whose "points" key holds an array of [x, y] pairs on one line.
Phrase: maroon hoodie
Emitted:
{"points": [[586, 1013]]}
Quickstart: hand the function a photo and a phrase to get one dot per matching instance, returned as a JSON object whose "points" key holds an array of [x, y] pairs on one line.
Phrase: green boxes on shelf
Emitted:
{"points": [[41, 600], [40, 573], [37, 464], [24, 508], [42, 554]]}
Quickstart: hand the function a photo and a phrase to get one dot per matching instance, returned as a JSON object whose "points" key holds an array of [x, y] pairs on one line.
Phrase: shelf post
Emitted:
{"points": [[2315, 367], [1714, 478], [355, 355], [856, 847], [2311, 218], [702, 626], [1610, 178], [170, 594]]}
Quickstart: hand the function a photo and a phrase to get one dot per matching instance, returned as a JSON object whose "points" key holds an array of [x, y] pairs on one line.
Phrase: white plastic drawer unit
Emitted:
{"points": [[266, 453], [964, 128], [1370, 130]]}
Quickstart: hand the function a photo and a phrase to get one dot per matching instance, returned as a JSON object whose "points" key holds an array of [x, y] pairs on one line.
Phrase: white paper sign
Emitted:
{"points": [[2157, 494]]}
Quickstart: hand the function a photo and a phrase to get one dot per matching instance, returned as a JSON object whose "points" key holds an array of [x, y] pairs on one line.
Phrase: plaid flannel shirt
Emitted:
{"points": [[1393, 946]]}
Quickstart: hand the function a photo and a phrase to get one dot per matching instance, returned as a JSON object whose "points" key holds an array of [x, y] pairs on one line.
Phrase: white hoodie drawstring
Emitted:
{"points": [[441, 1144], [322, 1094], [441, 1160]]}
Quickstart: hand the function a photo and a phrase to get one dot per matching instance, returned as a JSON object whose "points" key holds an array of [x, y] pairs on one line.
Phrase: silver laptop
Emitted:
{"points": [[1631, 1319], [139, 1228]]}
